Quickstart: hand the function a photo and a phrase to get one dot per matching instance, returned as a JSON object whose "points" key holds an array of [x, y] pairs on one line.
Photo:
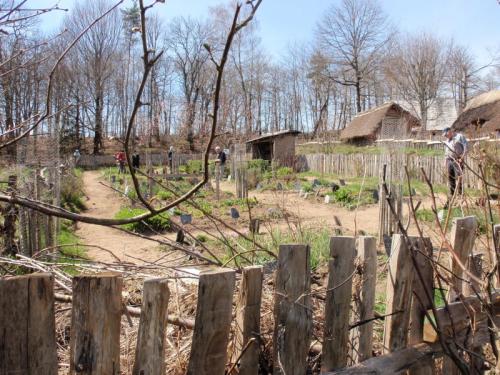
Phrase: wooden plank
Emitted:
{"points": [[150, 349], [248, 321], [292, 310], [398, 294], [338, 302], [463, 236], [212, 322], [27, 325], [364, 298], [422, 287], [95, 325]]}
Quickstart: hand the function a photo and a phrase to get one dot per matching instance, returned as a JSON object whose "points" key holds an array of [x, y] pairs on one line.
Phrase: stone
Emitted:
{"points": [[235, 214], [342, 182], [327, 199]]}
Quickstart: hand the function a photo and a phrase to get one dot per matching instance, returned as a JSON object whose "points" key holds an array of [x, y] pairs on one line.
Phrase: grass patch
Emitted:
{"points": [[347, 149], [157, 223]]}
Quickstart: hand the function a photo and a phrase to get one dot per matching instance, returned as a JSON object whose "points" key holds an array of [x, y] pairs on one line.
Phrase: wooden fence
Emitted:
{"points": [[27, 323], [157, 159], [371, 165]]}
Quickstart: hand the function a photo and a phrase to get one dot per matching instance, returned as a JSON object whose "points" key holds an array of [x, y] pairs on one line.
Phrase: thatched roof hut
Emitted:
{"points": [[481, 115], [388, 121]]}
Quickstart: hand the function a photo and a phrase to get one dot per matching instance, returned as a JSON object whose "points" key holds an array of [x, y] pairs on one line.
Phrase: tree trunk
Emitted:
{"points": [[98, 124]]}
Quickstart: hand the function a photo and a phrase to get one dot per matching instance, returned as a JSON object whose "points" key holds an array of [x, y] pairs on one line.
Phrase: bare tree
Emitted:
{"points": [[417, 67], [353, 34], [96, 51]]}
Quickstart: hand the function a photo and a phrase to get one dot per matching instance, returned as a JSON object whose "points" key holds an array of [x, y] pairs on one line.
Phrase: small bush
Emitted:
{"points": [[164, 195], [72, 192], [258, 164], [158, 223]]}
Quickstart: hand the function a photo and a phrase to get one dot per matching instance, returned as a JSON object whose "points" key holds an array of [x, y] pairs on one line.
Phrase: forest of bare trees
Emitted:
{"points": [[356, 60]]}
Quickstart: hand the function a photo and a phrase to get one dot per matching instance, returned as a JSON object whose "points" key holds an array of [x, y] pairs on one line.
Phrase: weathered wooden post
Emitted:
{"points": [[150, 349], [27, 325], [292, 310], [9, 222], [247, 336], [212, 323], [338, 302], [95, 325], [364, 298], [398, 295]]}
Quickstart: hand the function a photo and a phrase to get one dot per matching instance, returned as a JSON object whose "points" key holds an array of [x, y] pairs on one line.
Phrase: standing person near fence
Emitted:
{"points": [[221, 159], [121, 159], [455, 150], [170, 157]]}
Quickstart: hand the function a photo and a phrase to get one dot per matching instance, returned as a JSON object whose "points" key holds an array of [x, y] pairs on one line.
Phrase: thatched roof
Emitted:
{"points": [[483, 110], [368, 122]]}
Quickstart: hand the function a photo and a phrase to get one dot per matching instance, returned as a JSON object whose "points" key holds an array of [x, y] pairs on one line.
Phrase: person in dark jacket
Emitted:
{"points": [[221, 159]]}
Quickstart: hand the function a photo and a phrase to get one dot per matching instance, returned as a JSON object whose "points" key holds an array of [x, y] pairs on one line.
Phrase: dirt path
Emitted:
{"points": [[104, 203]]}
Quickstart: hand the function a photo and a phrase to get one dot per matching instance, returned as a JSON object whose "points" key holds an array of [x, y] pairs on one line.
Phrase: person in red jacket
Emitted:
{"points": [[121, 159]]}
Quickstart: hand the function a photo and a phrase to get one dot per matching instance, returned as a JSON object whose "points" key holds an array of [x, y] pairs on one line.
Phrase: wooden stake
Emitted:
{"points": [[292, 310], [27, 325], [398, 294], [212, 324], [95, 325], [248, 320], [150, 350], [338, 302], [364, 300]]}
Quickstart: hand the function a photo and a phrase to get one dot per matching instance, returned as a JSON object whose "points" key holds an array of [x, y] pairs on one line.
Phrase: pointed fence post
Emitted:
{"points": [[398, 294], [292, 310], [338, 302], [150, 350], [364, 298], [463, 236], [27, 325], [213, 322], [95, 325], [248, 321]]}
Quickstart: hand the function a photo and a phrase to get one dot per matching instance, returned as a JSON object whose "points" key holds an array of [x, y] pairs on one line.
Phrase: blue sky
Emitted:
{"points": [[473, 23]]}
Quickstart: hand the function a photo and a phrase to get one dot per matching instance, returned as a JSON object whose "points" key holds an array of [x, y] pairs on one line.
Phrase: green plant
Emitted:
{"points": [[160, 222], [72, 192]]}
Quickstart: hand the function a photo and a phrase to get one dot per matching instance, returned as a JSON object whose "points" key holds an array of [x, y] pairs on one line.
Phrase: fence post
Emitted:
{"points": [[420, 302], [95, 325], [248, 321], [27, 325], [496, 248], [10, 216], [338, 302], [292, 310], [398, 294], [212, 324], [364, 298], [150, 350]]}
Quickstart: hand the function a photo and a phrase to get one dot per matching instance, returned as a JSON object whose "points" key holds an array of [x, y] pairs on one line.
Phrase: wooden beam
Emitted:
{"points": [[95, 325], [292, 310], [27, 325], [248, 321], [398, 294], [338, 302], [364, 298], [212, 322], [150, 349]]}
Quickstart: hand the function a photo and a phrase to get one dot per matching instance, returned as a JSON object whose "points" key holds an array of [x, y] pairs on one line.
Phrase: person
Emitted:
{"points": [[221, 159], [136, 160], [76, 156], [455, 150], [120, 158], [170, 157]]}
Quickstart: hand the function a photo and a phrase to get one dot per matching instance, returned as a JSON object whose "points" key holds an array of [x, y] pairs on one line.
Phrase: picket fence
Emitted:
{"points": [[27, 319]]}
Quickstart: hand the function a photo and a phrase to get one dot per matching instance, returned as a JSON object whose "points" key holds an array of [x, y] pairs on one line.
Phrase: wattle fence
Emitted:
{"points": [[371, 165]]}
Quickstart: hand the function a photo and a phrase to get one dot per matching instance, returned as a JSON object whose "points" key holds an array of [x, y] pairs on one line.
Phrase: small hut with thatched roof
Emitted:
{"points": [[388, 121], [481, 116]]}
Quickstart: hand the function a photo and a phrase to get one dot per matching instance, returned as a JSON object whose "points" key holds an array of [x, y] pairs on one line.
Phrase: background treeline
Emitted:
{"points": [[356, 60]]}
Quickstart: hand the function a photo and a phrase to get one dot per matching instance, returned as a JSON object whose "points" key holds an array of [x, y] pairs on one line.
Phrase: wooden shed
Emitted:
{"points": [[388, 121], [481, 116], [277, 146]]}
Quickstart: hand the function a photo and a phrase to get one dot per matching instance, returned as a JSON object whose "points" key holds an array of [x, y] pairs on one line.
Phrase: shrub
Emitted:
{"points": [[72, 192], [259, 164], [164, 195], [158, 223]]}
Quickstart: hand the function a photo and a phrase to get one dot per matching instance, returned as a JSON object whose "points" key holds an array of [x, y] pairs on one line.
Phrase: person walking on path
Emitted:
{"points": [[455, 150]]}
